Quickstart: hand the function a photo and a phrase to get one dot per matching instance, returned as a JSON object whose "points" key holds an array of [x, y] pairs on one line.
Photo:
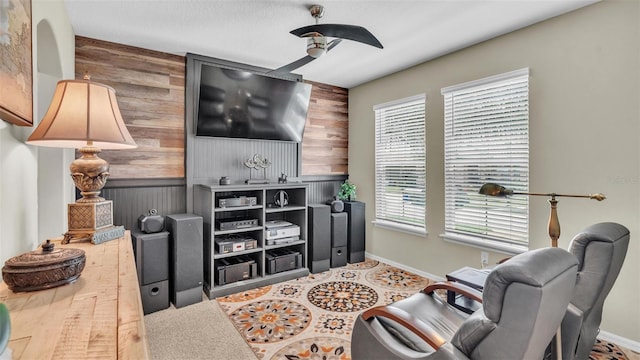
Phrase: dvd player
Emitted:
{"points": [[282, 232], [271, 224]]}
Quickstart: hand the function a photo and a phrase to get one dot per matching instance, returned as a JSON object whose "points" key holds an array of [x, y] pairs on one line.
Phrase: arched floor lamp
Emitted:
{"points": [[493, 189]]}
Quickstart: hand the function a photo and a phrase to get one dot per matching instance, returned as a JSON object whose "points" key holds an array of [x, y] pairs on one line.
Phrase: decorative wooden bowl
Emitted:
{"points": [[43, 269]]}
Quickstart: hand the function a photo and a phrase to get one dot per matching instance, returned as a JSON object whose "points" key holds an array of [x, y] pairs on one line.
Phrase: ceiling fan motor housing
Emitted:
{"points": [[316, 46]]}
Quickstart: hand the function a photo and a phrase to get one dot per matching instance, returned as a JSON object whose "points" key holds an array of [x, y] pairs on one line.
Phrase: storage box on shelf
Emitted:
{"points": [[254, 235]]}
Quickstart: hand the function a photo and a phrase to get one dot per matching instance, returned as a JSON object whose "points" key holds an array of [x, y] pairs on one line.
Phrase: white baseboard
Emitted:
{"points": [[604, 335], [404, 267], [619, 340]]}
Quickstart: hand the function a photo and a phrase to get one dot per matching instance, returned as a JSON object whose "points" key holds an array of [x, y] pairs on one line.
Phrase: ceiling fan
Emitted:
{"points": [[317, 39]]}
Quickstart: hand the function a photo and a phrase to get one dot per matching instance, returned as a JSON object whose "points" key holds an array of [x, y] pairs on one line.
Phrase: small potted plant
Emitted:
{"points": [[347, 191]]}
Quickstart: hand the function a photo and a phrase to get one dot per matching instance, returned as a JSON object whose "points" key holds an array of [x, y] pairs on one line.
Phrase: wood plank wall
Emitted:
{"points": [[150, 90], [326, 135]]}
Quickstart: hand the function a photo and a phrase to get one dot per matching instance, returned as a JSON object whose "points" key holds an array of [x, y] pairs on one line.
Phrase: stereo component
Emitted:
{"points": [[229, 224], [155, 296], [238, 201], [235, 269], [270, 224], [283, 232], [186, 265], [319, 236], [151, 223], [336, 205], [282, 240], [152, 256], [355, 231], [282, 260], [228, 244]]}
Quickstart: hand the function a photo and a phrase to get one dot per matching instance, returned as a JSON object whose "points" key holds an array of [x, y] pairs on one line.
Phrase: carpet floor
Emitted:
{"points": [[312, 317]]}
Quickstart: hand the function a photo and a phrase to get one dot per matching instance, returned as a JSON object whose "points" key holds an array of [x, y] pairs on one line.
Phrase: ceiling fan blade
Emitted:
{"points": [[349, 32], [292, 66], [302, 61]]}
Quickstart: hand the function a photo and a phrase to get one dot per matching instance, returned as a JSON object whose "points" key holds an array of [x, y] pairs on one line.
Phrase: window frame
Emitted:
{"points": [[384, 221], [521, 202]]}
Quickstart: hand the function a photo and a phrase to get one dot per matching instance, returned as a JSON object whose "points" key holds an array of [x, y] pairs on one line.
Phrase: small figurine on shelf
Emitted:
{"points": [[257, 162], [282, 179]]}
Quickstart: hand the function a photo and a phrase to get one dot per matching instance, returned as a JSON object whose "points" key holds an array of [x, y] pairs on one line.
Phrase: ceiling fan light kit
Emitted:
{"points": [[316, 46]]}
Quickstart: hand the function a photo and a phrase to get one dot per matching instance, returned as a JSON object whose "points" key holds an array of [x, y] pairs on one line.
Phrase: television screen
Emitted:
{"points": [[242, 104]]}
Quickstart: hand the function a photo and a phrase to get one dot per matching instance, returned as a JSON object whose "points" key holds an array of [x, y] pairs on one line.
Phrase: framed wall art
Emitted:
{"points": [[16, 73]]}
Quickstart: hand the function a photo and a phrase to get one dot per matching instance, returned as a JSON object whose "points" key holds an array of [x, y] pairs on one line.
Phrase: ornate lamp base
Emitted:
{"points": [[92, 221]]}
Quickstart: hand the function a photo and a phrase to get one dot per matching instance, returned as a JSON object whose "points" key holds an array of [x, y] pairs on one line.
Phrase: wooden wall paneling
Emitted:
{"points": [[150, 90], [326, 136]]}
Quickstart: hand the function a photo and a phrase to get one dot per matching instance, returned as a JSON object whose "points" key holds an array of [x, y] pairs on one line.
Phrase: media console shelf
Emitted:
{"points": [[243, 216]]}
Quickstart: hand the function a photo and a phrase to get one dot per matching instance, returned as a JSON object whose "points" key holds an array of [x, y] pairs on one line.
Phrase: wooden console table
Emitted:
{"points": [[99, 316]]}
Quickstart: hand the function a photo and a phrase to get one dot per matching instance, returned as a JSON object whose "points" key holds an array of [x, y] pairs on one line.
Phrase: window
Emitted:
{"points": [[400, 164], [487, 140]]}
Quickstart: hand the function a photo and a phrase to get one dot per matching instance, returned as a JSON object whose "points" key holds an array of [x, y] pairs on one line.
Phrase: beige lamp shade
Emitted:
{"points": [[82, 112]]}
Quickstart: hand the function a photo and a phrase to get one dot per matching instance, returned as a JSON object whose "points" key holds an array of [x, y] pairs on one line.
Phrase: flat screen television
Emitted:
{"points": [[242, 104]]}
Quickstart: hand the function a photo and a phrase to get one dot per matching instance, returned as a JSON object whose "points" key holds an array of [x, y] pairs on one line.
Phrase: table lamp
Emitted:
{"points": [[85, 115], [492, 189]]}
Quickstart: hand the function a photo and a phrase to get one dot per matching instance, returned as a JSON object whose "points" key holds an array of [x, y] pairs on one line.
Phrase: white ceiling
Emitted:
{"points": [[256, 32]]}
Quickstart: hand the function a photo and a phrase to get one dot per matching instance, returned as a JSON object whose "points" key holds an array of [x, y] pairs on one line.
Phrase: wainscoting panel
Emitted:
{"points": [[225, 157], [323, 188], [131, 202], [133, 198]]}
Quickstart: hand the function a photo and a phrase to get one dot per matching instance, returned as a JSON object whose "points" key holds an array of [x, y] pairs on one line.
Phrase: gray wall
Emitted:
{"points": [[584, 129]]}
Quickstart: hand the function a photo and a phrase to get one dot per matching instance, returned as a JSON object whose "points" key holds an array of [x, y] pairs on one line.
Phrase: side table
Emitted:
{"points": [[474, 278]]}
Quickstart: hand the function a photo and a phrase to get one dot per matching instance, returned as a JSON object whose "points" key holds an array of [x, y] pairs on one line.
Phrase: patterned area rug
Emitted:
{"points": [[312, 317]]}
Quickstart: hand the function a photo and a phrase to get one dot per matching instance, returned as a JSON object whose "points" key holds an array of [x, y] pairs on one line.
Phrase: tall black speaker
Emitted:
{"points": [[355, 231], [319, 234], [152, 264], [186, 258], [152, 256]]}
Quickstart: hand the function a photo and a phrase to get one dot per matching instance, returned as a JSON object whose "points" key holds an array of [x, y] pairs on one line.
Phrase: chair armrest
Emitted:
{"points": [[456, 287], [418, 327]]}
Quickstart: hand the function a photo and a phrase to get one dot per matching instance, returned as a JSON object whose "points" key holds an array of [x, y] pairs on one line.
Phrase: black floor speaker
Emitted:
{"points": [[319, 235], [338, 256], [152, 264], [152, 256], [339, 223], [155, 296], [186, 270], [355, 231]]}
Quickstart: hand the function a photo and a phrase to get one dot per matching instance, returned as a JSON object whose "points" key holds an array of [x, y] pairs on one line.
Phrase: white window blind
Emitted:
{"points": [[400, 162], [487, 140]]}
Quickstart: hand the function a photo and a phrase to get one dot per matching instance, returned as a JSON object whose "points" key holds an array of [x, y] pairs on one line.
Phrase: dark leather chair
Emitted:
{"points": [[600, 249], [523, 303]]}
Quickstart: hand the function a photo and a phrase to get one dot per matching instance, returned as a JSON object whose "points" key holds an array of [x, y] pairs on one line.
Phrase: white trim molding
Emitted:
{"points": [[404, 267], [620, 341]]}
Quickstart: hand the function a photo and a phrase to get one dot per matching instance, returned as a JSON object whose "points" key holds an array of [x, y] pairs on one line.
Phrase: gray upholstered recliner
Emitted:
{"points": [[523, 303], [600, 249]]}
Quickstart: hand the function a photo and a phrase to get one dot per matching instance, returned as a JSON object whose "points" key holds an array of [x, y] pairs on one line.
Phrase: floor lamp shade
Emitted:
{"points": [[85, 115]]}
